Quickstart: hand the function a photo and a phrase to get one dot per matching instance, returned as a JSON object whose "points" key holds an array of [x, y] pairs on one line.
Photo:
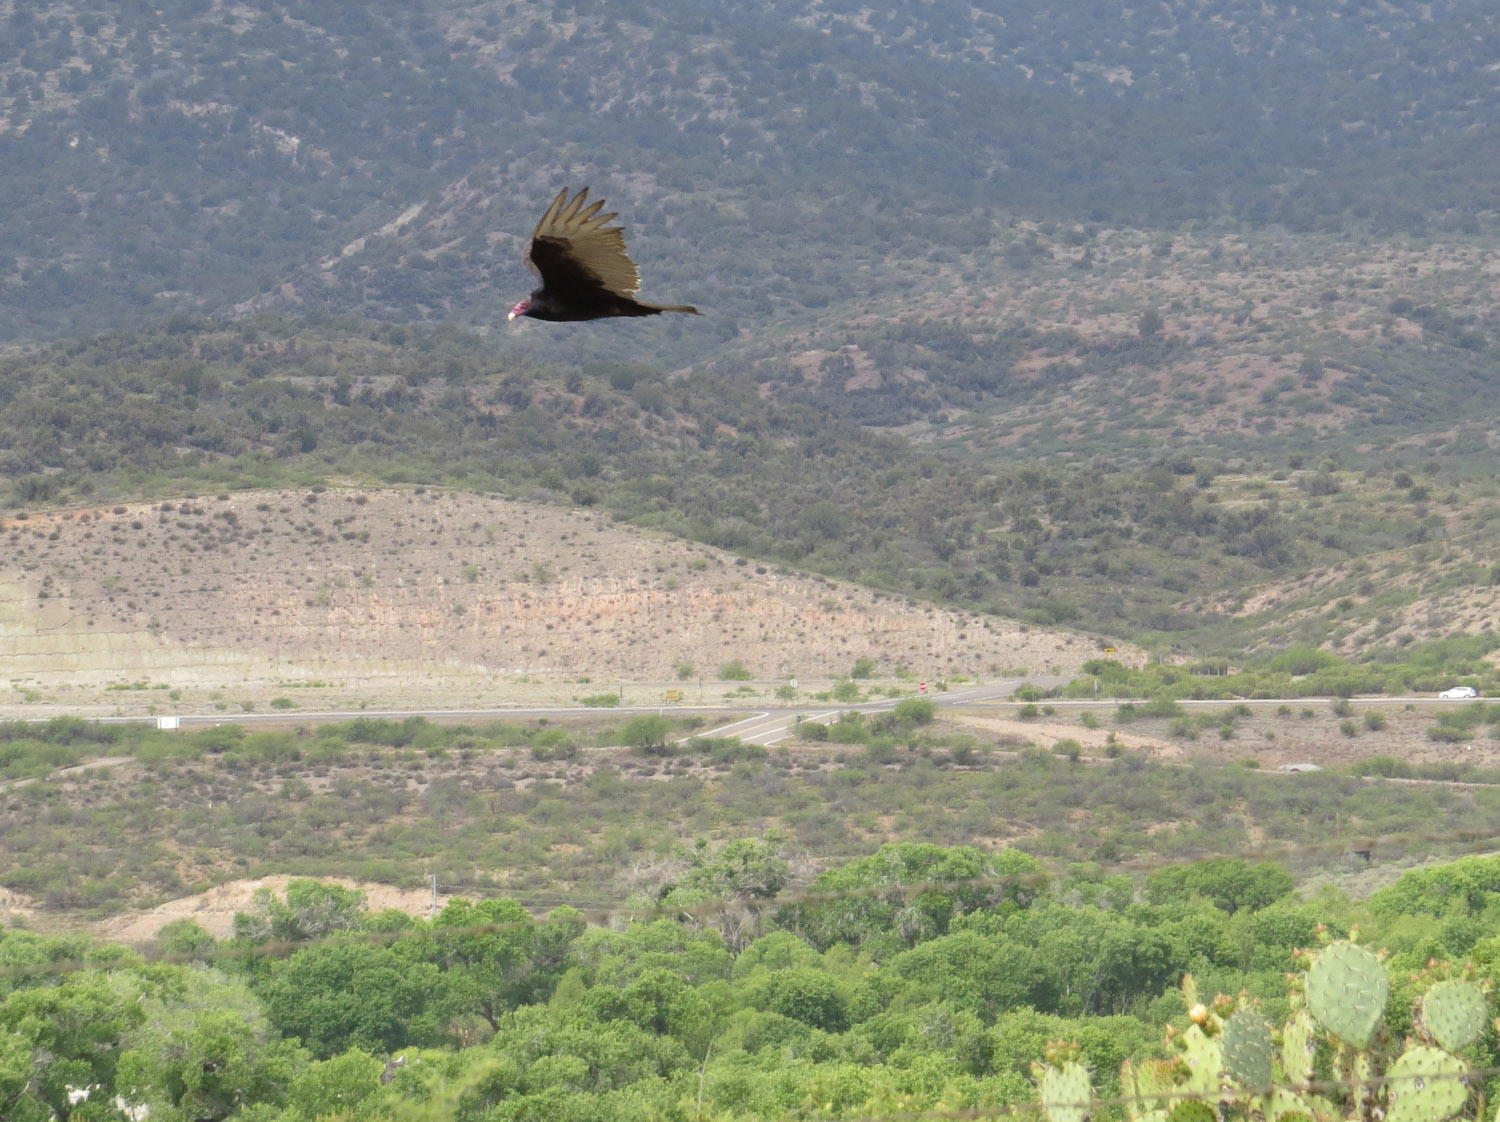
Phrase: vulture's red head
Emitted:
{"points": [[521, 309]]}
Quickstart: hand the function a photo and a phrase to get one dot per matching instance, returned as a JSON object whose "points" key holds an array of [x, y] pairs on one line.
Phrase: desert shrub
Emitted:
{"points": [[846, 691], [647, 734], [724, 749], [21, 759], [64, 730], [388, 734], [553, 744], [850, 728], [915, 711]]}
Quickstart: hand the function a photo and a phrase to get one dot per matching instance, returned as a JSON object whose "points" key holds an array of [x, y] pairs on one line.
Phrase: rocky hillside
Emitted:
{"points": [[406, 594], [385, 157]]}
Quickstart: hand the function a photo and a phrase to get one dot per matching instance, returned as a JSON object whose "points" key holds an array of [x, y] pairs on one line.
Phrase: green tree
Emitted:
{"points": [[334, 996], [340, 1084], [204, 1050], [489, 972], [647, 733], [806, 995], [739, 879], [310, 910], [1230, 883], [63, 1032], [902, 894]]}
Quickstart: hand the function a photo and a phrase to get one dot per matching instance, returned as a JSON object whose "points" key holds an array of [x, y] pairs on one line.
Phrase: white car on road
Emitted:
{"points": [[1459, 693]]}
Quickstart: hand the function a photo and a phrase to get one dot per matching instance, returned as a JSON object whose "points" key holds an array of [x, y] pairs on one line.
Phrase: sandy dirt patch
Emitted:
{"points": [[215, 908]]}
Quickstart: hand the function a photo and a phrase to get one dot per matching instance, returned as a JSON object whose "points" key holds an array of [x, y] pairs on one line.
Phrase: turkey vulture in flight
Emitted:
{"points": [[585, 271]]}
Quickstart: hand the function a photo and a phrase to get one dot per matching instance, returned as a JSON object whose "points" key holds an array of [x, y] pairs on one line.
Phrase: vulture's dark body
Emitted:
{"points": [[583, 266]]}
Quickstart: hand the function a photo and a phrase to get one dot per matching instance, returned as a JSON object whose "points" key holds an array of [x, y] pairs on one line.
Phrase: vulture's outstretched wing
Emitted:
{"points": [[576, 252]]}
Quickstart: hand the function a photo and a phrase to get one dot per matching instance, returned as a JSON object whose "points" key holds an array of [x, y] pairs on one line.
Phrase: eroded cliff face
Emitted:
{"points": [[371, 586]]}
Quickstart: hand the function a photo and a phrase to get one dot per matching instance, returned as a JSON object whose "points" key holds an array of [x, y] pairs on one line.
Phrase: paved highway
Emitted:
{"points": [[767, 725], [772, 726], [764, 726]]}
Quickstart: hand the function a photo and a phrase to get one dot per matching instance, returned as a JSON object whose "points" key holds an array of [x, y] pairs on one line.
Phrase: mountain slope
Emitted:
{"points": [[397, 596], [196, 154], [1169, 553]]}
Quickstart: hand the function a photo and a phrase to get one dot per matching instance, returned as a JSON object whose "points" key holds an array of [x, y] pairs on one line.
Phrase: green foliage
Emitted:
{"points": [[914, 711], [334, 996], [1466, 887], [845, 691], [734, 671], [805, 995], [879, 910], [1229, 883], [486, 1013], [647, 733], [310, 910]]}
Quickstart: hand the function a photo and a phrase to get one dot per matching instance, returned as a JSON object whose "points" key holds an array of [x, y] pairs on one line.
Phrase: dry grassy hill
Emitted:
{"points": [[430, 597]]}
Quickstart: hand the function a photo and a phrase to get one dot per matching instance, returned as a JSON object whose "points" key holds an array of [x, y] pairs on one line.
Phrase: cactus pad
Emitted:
{"points": [[1142, 1088], [1066, 1092], [1453, 1013], [1346, 991], [1145, 1087], [1298, 1047], [1247, 1050], [1425, 1085], [1287, 1106], [1205, 1060], [1193, 1112]]}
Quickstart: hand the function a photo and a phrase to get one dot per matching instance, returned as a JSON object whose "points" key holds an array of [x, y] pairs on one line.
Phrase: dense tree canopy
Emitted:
{"points": [[511, 1018]]}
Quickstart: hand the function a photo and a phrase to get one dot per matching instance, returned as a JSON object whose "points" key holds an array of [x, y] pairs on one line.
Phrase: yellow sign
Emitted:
{"points": [[671, 695]]}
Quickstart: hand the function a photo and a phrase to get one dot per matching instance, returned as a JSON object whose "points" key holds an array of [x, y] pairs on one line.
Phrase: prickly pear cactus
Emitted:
{"points": [[1204, 1057], [1190, 1111], [1066, 1091], [1347, 989], [1246, 1041], [1453, 1013], [1146, 1088], [1298, 1048], [1425, 1085], [1226, 1064]]}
